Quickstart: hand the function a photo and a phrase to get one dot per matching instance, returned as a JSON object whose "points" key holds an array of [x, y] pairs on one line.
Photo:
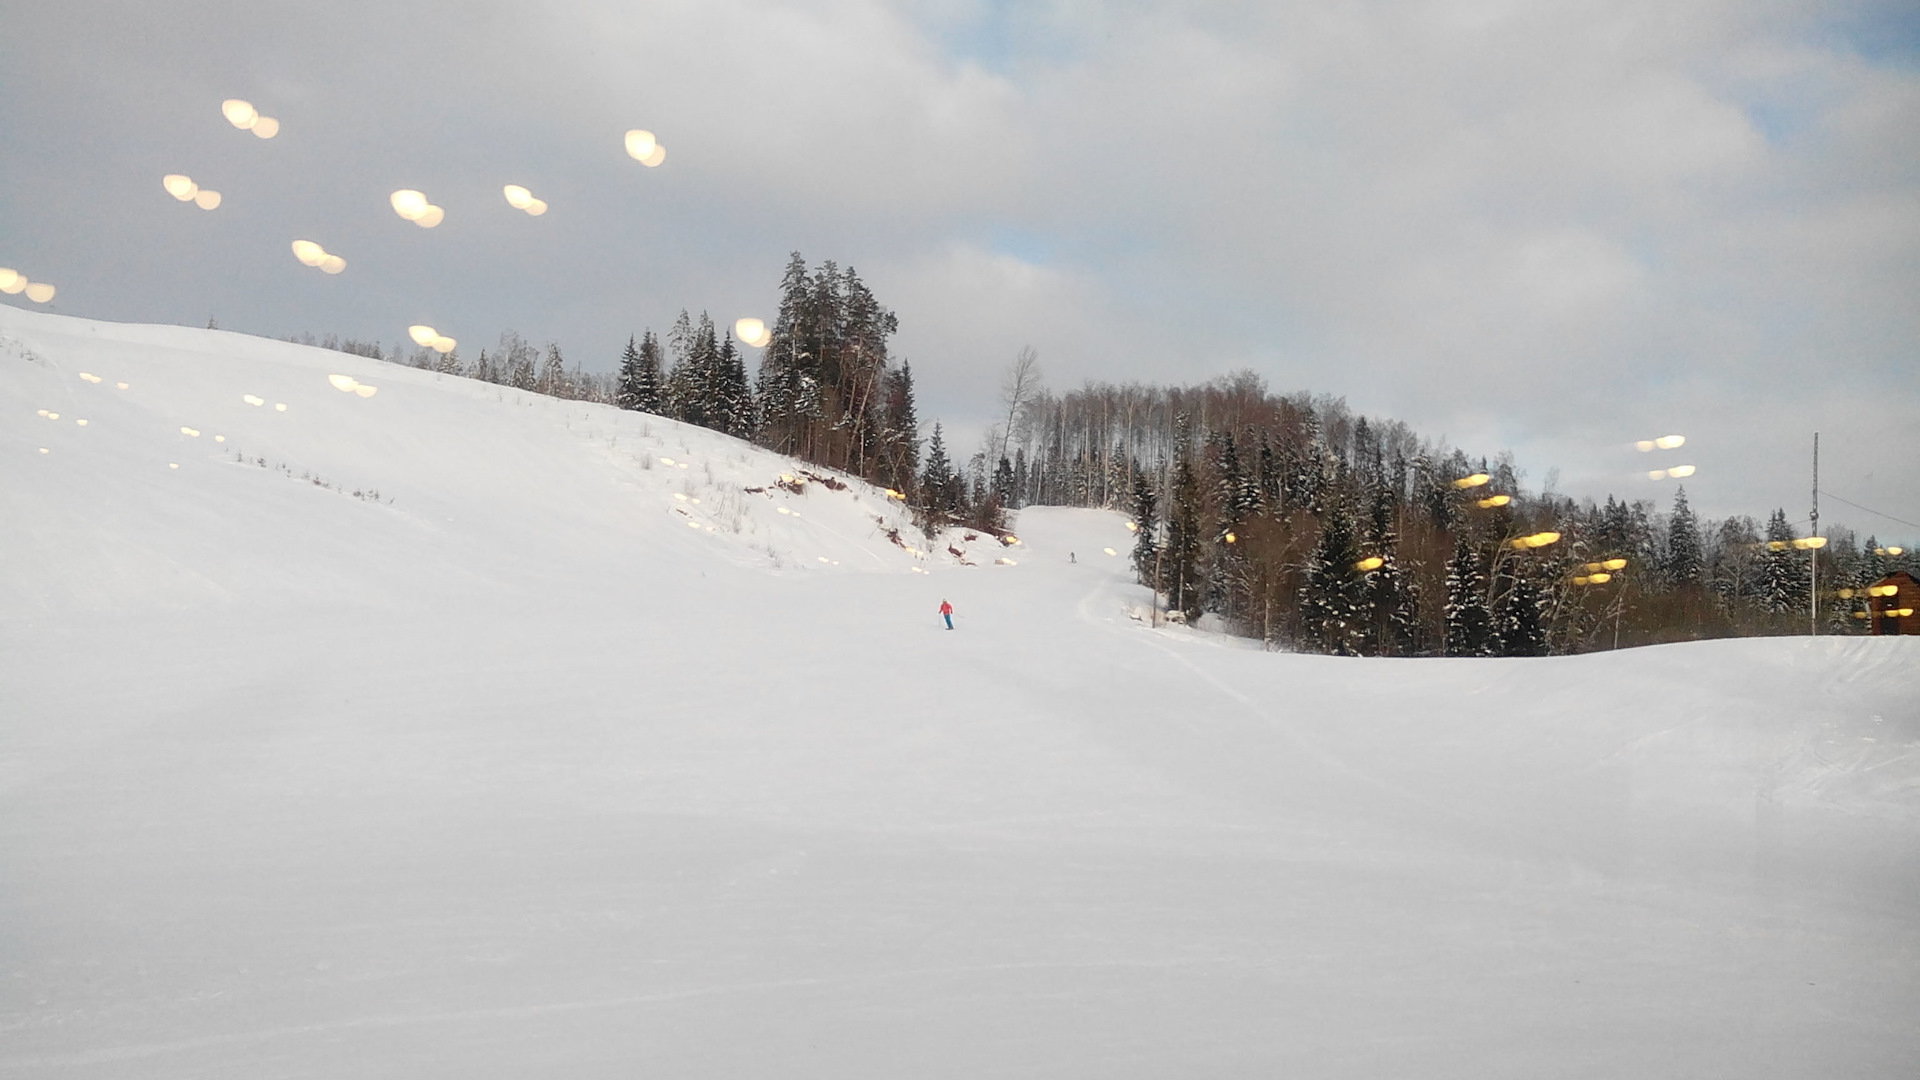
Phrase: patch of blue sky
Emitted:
{"points": [[1886, 32], [1002, 36], [1032, 248]]}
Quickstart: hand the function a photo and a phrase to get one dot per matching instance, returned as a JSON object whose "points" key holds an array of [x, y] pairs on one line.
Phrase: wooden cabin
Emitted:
{"points": [[1900, 612]]}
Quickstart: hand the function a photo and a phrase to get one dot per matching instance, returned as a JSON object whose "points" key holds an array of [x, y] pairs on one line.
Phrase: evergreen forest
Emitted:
{"points": [[1286, 518]]}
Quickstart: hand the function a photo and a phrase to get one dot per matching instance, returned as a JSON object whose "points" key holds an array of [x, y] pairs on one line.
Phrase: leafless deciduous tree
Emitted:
{"points": [[1020, 385]]}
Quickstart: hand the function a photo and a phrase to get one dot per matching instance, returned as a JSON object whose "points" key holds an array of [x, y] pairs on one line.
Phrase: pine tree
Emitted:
{"points": [[1469, 624], [1333, 598], [1684, 563]]}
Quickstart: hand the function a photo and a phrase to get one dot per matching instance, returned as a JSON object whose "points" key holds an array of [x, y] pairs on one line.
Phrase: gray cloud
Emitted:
{"points": [[1555, 228]]}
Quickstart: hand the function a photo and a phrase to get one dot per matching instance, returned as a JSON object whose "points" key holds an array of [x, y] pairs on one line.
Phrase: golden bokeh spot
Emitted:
{"points": [[1657, 474], [1110, 551], [8, 276], [1581, 580], [178, 186], [333, 264], [344, 383], [431, 218], [653, 160], [1601, 579], [1670, 442], [120, 385], [309, 252], [219, 438], [53, 416], [666, 461], [1233, 538], [252, 400], [1492, 501], [366, 391], [1645, 446], [239, 113], [1006, 562], [266, 127], [82, 423], [536, 208], [517, 197], [40, 292], [408, 203], [192, 432], [442, 344], [1473, 481], [640, 143], [173, 464], [751, 331], [422, 335], [1615, 564], [1679, 471], [16, 284], [1371, 562], [90, 377], [1846, 594], [206, 200], [279, 406], [44, 450]]}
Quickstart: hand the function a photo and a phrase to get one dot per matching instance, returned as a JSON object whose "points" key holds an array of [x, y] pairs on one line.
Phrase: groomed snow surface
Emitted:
{"points": [[528, 767]]}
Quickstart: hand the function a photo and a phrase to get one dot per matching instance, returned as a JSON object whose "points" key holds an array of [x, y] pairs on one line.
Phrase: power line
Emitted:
{"points": [[1870, 510]]}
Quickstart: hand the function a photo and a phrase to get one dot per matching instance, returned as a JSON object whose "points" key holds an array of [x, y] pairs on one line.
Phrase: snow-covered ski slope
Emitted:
{"points": [[529, 767]]}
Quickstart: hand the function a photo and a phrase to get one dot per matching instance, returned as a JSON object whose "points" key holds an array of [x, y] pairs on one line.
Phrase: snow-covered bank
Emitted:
{"points": [[526, 770]]}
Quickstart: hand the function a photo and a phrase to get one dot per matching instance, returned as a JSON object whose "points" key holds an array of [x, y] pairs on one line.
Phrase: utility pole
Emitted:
{"points": [[1813, 550]]}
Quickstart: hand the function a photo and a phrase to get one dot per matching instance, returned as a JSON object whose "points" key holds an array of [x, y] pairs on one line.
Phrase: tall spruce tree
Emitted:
{"points": [[899, 451], [626, 393], [1521, 627], [939, 486], [1684, 563], [1783, 571], [1146, 552], [1469, 623], [1180, 565], [1333, 597]]}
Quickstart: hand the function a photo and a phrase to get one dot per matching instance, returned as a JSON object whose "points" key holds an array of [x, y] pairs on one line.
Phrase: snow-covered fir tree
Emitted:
{"points": [[1783, 569], [939, 487], [1684, 563], [1520, 627], [1146, 524], [1333, 598], [1469, 623], [1180, 565]]}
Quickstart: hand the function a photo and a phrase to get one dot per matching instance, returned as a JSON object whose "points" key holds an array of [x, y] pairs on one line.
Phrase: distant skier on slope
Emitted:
{"points": [[946, 612]]}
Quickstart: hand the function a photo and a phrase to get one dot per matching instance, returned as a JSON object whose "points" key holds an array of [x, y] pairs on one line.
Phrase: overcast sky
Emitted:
{"points": [[1550, 227]]}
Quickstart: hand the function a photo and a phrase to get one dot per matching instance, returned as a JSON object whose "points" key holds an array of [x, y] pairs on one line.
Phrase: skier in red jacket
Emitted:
{"points": [[946, 612]]}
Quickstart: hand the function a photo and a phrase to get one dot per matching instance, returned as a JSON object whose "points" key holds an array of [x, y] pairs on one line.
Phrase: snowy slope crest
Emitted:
{"points": [[172, 466]]}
